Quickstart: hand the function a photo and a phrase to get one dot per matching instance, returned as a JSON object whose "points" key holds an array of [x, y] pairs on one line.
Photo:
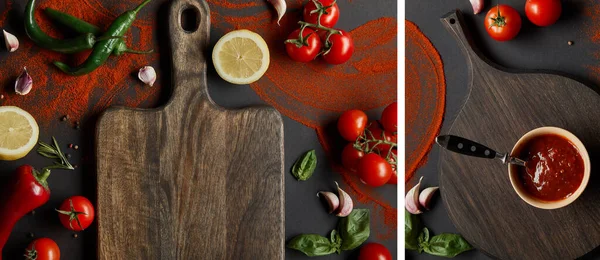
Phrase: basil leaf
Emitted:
{"points": [[354, 229], [336, 240], [423, 240], [447, 245], [312, 245], [412, 228], [305, 166]]}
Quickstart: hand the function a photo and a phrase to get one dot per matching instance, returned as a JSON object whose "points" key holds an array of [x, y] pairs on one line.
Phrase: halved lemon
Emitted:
{"points": [[241, 57], [18, 133]]}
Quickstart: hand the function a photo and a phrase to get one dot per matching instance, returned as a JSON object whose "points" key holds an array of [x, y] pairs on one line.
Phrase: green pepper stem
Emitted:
{"points": [[139, 7]]}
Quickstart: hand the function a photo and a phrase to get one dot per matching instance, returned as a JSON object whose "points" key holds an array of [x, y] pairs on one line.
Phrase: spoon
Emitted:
{"points": [[464, 146]]}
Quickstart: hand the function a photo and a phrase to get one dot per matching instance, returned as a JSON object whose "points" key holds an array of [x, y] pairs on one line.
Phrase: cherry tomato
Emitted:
{"points": [[310, 45], [389, 118], [543, 12], [351, 124], [502, 22], [375, 133], [374, 251], [341, 48], [351, 157], [392, 160], [330, 10], [373, 170], [42, 249], [76, 213]]}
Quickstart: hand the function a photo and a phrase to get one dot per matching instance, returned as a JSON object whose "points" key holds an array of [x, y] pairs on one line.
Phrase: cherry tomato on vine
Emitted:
{"points": [[392, 159], [305, 48], [341, 48], [375, 133], [373, 170], [543, 12], [329, 9], [351, 157], [351, 124], [42, 249], [76, 213], [389, 118], [502, 22], [374, 251]]}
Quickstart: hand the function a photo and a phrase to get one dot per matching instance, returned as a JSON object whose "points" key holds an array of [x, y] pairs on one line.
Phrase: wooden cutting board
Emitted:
{"points": [[190, 180], [502, 105]]}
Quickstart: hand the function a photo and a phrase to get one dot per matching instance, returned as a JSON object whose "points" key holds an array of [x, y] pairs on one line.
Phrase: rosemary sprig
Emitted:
{"points": [[54, 152]]}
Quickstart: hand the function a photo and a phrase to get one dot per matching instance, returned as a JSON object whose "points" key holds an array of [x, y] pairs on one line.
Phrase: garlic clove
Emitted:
{"points": [[426, 195], [346, 204], [280, 7], [477, 6], [12, 43], [412, 199], [332, 200], [147, 74], [24, 83]]}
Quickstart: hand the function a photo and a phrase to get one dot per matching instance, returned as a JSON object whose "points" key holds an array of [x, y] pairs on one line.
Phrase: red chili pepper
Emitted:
{"points": [[28, 191]]}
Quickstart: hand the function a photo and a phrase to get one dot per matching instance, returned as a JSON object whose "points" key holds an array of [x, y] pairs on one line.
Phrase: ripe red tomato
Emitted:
{"points": [[376, 133], [43, 249], [341, 48], [389, 118], [502, 22], [351, 157], [76, 213], [306, 49], [373, 170], [351, 124], [330, 10], [543, 12], [374, 251]]}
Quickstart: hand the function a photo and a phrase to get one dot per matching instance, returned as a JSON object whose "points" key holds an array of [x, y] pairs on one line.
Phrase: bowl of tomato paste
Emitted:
{"points": [[556, 171]]}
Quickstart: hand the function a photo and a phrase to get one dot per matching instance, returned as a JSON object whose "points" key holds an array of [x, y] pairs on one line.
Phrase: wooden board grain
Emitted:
{"points": [[190, 180], [502, 105]]}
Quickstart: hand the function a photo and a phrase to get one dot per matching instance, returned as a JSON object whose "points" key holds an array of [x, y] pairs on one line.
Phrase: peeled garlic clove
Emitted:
{"points": [[280, 7], [24, 83], [12, 43], [426, 195], [412, 199], [346, 204], [332, 200], [147, 75], [477, 6]]}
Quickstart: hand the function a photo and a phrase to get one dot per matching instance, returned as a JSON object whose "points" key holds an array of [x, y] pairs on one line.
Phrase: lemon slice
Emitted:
{"points": [[18, 133], [241, 57]]}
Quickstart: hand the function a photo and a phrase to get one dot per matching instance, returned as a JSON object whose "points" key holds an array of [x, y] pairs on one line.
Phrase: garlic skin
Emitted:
{"points": [[24, 83], [426, 195], [412, 199], [477, 6], [280, 7], [12, 43], [346, 204], [333, 202], [147, 74]]}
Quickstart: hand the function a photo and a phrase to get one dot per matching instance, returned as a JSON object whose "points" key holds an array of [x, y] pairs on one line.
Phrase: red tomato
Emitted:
{"points": [[502, 22], [341, 48], [330, 10], [373, 170], [543, 12], [305, 49], [351, 124], [351, 157], [392, 160], [76, 213], [389, 118], [42, 249], [374, 251], [376, 133]]}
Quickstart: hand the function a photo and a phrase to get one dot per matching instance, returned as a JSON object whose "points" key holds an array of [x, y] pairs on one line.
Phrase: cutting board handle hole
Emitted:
{"points": [[190, 19], [452, 21]]}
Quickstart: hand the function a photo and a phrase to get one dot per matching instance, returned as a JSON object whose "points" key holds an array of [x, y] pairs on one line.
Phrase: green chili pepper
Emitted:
{"points": [[103, 49], [83, 27], [35, 33]]}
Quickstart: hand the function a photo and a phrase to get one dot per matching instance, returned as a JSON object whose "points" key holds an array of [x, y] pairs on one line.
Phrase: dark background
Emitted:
{"points": [[304, 212], [534, 48]]}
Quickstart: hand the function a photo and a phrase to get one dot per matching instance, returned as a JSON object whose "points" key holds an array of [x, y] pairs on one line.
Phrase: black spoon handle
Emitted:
{"points": [[464, 146]]}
